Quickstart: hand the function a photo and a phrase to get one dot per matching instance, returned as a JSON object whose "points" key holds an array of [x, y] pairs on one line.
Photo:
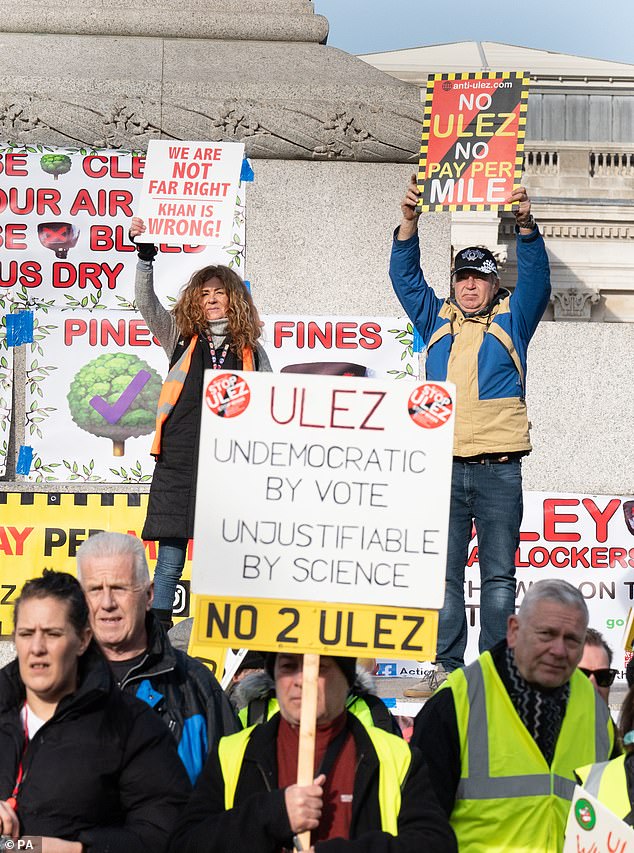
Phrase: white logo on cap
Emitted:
{"points": [[489, 266], [473, 255]]}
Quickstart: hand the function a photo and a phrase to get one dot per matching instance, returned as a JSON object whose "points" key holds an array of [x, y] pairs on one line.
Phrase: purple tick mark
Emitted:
{"points": [[113, 413]]}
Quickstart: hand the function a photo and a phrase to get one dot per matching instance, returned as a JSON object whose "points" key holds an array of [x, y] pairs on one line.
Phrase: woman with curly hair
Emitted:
{"points": [[214, 325]]}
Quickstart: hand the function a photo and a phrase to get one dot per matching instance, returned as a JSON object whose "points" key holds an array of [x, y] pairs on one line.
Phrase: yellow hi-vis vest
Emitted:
{"points": [[508, 798], [258, 711], [394, 760], [606, 781], [266, 708]]}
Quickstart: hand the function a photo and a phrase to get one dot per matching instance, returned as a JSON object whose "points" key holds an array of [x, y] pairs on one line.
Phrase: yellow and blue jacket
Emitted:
{"points": [[484, 354]]}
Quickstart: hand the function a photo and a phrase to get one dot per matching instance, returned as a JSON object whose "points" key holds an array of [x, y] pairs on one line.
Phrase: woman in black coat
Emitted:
{"points": [[214, 325], [81, 764]]}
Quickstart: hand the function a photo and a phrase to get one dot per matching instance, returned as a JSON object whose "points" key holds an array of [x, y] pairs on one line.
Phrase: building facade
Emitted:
{"points": [[579, 168]]}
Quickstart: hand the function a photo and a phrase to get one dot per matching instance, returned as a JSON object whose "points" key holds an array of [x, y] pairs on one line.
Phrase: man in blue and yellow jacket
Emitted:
{"points": [[478, 339], [114, 575]]}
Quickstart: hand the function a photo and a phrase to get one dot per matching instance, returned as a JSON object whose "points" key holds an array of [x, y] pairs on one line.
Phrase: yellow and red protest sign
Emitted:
{"points": [[473, 140]]}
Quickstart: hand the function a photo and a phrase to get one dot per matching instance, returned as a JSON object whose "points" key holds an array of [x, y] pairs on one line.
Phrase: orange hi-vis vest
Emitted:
{"points": [[173, 386]]}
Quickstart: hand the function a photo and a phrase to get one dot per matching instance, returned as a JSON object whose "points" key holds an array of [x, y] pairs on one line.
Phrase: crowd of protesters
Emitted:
{"points": [[113, 740]]}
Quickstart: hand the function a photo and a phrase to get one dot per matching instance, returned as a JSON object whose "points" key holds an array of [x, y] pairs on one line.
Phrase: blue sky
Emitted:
{"points": [[583, 27]]}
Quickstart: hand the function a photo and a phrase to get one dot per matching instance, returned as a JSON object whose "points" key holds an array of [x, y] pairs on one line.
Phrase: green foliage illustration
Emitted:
{"points": [[405, 337], [36, 374], [108, 376], [36, 415], [82, 472], [22, 299], [236, 248], [132, 475], [55, 164], [43, 473], [40, 333], [76, 471], [125, 304], [91, 301]]}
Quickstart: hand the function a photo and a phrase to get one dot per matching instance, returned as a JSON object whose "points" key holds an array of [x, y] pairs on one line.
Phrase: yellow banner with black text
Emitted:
{"points": [[315, 627]]}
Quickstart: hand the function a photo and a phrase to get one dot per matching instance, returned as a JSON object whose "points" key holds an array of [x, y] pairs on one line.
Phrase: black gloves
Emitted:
{"points": [[145, 251]]}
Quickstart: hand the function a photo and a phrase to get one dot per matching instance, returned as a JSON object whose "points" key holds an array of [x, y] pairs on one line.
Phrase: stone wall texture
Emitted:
{"points": [[333, 142]]}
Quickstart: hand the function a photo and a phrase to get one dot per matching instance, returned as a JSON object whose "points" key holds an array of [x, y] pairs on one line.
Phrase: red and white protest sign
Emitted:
{"points": [[64, 220], [342, 495], [189, 191], [472, 140], [594, 828]]}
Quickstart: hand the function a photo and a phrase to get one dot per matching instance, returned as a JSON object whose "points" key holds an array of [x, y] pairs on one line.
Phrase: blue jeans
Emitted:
{"points": [[489, 494], [169, 568]]}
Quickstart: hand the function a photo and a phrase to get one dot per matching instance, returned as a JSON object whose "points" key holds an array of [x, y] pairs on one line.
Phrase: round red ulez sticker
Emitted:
{"points": [[227, 395], [430, 406]]}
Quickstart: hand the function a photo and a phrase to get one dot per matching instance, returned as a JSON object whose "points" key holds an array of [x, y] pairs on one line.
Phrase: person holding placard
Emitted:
{"points": [[478, 339], [214, 325], [612, 782], [370, 791], [255, 697]]}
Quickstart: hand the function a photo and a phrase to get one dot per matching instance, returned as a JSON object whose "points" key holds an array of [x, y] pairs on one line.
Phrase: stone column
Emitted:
{"points": [[113, 74]]}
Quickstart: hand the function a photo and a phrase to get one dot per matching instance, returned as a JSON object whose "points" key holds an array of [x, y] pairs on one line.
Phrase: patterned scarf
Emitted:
{"points": [[541, 711]]}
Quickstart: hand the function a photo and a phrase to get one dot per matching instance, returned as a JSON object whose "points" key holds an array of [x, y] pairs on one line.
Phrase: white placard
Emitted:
{"points": [[593, 828], [358, 345], [323, 488], [189, 191], [233, 659], [64, 220]]}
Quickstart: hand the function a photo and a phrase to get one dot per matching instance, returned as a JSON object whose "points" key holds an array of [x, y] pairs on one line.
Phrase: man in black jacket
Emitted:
{"points": [[114, 575], [370, 792]]}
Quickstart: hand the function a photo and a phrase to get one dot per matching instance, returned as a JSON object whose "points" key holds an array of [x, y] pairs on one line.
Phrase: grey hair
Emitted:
{"points": [[109, 544], [554, 589], [596, 638]]}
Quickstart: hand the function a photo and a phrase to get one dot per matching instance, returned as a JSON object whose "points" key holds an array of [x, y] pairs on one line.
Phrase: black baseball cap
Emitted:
{"points": [[477, 259]]}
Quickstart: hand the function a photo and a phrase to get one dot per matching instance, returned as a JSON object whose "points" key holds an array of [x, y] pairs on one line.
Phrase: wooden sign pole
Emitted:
{"points": [[307, 727]]}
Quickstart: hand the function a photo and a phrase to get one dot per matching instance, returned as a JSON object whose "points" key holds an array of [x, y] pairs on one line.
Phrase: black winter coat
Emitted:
{"points": [[172, 500], [185, 694], [259, 822], [103, 770]]}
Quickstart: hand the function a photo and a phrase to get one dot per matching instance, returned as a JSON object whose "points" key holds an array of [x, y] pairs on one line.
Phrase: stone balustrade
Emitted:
{"points": [[583, 168]]}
